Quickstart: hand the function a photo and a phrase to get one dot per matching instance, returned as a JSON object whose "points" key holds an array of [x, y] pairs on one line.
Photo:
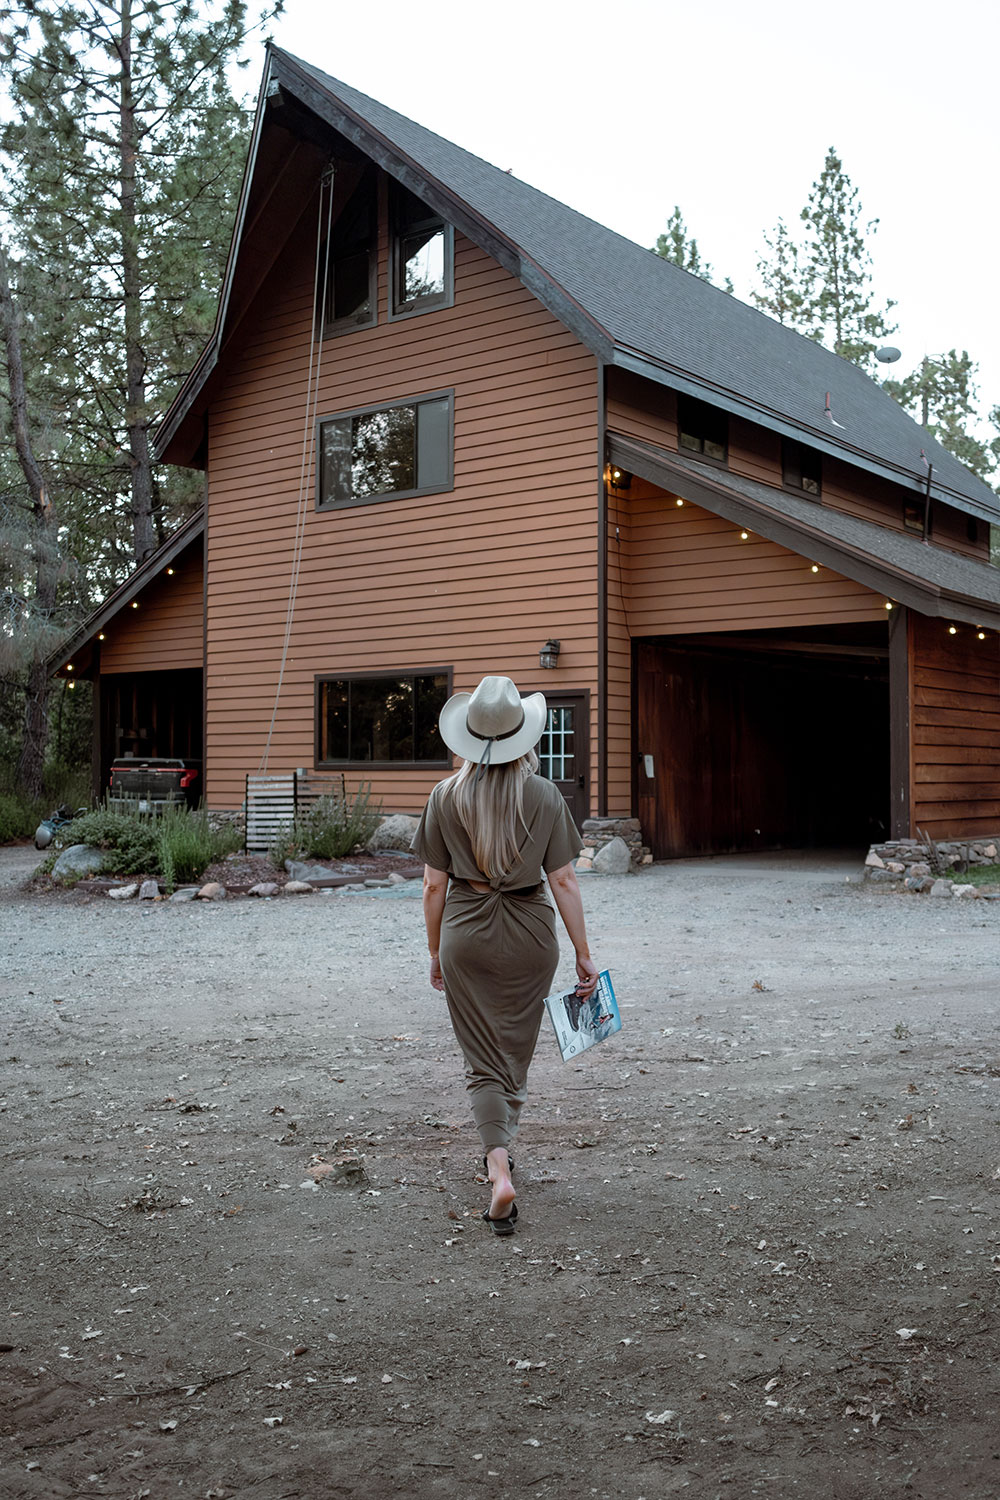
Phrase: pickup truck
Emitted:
{"points": [[149, 784]]}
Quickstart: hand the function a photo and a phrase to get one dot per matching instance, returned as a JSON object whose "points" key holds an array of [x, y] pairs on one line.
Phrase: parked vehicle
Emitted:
{"points": [[149, 784], [48, 827]]}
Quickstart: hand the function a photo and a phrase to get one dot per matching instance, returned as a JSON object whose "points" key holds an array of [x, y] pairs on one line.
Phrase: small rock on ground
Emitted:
{"points": [[298, 888], [264, 888], [186, 893], [123, 892], [213, 891], [149, 890]]}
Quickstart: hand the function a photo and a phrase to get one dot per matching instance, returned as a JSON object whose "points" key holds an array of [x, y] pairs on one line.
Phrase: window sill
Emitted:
{"points": [[352, 504]]}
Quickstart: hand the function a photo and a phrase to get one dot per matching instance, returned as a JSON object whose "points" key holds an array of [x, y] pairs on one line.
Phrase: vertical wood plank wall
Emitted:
{"points": [[476, 578], [956, 729], [166, 631]]}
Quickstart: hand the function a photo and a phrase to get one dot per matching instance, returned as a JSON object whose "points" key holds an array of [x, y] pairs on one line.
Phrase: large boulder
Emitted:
{"points": [[613, 859], [395, 832], [78, 861]]}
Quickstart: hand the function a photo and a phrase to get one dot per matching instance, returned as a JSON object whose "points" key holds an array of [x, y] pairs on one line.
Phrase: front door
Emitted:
{"points": [[563, 750]]}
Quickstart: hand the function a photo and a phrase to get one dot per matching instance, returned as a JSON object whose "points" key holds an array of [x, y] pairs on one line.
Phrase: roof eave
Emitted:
{"points": [[882, 577], [834, 447], [127, 591]]}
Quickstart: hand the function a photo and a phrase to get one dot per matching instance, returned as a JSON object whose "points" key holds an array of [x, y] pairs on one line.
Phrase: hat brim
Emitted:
{"points": [[456, 736]]}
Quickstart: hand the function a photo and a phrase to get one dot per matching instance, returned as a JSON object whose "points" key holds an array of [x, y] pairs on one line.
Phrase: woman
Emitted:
{"points": [[491, 829]]}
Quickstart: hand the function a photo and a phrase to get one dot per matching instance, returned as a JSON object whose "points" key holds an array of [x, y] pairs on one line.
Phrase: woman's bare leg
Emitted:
{"points": [[498, 1167]]}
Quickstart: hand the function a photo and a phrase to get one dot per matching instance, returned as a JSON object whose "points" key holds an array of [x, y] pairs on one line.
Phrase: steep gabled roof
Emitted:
{"points": [[632, 308]]}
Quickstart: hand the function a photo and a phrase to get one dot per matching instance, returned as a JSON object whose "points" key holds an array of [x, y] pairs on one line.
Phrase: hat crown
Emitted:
{"points": [[495, 708]]}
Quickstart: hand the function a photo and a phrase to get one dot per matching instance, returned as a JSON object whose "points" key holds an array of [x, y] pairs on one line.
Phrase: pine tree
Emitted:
{"points": [[782, 294], [677, 246], [838, 307], [941, 394], [124, 150]]}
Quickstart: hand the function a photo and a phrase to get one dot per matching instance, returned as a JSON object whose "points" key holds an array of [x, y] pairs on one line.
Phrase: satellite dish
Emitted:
{"points": [[888, 354]]}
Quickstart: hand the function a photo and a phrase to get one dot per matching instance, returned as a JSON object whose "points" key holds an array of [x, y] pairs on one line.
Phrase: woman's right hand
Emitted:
{"points": [[587, 974]]}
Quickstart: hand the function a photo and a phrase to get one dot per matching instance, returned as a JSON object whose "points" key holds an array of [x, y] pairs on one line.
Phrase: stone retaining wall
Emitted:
{"points": [[597, 832], [919, 864]]}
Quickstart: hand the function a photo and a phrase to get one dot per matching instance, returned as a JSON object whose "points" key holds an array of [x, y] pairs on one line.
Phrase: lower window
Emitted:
{"points": [[385, 719]]}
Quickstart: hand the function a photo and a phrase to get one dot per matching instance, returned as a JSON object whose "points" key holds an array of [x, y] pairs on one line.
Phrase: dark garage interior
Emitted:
{"points": [[769, 739]]}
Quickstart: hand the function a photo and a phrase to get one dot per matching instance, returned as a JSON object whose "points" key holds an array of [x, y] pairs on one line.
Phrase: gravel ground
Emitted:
{"points": [[758, 1250]]}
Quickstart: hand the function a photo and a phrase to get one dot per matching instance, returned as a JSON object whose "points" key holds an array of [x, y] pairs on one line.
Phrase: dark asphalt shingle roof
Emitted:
{"points": [[667, 322]]}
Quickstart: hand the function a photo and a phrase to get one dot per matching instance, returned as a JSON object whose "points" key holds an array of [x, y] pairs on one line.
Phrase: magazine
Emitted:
{"points": [[579, 1023]]}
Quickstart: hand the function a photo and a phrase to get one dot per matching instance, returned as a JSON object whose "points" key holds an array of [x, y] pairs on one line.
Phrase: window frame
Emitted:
{"points": [[800, 450], [398, 310], [365, 411], [718, 413], [371, 676], [331, 328]]}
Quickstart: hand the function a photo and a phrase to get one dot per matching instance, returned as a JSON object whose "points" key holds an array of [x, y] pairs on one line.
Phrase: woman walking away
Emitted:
{"points": [[486, 835]]}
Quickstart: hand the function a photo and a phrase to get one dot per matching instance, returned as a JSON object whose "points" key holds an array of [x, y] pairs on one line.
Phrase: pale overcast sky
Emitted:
{"points": [[624, 109]]}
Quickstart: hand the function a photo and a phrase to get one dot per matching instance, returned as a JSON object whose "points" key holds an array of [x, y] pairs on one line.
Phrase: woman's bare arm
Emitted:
{"points": [[569, 903], [435, 891]]}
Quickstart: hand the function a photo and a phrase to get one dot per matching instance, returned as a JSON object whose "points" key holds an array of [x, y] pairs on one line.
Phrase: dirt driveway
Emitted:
{"points": [[758, 1250]]}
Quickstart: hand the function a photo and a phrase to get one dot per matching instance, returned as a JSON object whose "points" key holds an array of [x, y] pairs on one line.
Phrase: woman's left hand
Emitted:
{"points": [[437, 980]]}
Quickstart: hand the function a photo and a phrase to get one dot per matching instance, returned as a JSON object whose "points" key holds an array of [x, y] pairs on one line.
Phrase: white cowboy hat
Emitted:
{"points": [[494, 724]]}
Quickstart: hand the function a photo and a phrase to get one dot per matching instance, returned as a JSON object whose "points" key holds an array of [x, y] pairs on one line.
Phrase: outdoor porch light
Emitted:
{"points": [[814, 568], [952, 630], [621, 479], [548, 656]]}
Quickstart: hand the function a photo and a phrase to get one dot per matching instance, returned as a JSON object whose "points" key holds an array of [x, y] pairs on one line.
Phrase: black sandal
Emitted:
{"points": [[502, 1227]]}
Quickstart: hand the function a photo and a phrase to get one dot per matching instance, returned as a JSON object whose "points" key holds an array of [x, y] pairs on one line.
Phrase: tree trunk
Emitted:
{"points": [[31, 760], [136, 417]]}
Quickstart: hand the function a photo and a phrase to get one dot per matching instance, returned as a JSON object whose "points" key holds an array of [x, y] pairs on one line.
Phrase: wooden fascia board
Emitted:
{"points": [[127, 591], [207, 360], [841, 557], [912, 479], [451, 207]]}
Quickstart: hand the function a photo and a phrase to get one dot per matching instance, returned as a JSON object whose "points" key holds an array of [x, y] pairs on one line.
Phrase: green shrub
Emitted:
{"points": [[188, 843], [331, 828], [130, 840], [19, 816]]}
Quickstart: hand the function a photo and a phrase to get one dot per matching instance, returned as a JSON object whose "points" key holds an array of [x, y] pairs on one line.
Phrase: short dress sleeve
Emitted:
{"points": [[428, 842], [564, 840]]}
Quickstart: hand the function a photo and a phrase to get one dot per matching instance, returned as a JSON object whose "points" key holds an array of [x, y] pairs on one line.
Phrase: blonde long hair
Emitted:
{"points": [[491, 810]]}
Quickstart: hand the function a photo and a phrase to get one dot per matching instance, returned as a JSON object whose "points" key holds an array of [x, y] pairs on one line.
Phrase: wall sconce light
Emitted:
{"points": [[952, 630], [981, 635], [548, 656], [620, 479]]}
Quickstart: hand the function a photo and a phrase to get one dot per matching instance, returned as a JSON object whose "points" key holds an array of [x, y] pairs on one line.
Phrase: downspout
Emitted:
{"points": [[602, 596]]}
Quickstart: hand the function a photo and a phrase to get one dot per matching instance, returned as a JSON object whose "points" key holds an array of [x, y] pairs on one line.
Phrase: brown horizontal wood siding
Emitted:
{"points": [[166, 631], [955, 716], [476, 578], [639, 408]]}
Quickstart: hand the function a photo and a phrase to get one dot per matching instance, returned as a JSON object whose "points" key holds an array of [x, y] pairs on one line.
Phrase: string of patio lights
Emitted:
{"points": [[616, 475], [101, 635]]}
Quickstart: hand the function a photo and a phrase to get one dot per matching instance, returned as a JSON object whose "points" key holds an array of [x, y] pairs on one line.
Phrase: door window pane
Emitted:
{"points": [[556, 751]]}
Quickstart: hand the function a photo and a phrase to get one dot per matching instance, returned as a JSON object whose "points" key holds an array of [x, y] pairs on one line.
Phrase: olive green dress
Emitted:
{"points": [[499, 949]]}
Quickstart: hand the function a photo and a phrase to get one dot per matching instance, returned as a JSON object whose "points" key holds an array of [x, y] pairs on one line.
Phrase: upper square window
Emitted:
{"points": [[702, 429], [351, 271], [422, 256], [801, 467], [387, 452]]}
